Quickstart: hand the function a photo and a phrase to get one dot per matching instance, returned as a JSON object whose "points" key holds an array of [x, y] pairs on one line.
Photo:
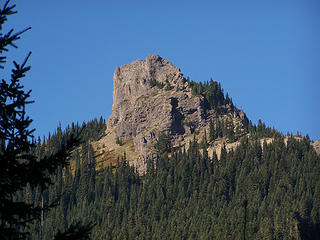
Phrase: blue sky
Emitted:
{"points": [[266, 54]]}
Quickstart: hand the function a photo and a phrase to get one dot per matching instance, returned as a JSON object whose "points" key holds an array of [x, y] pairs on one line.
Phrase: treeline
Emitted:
{"points": [[225, 128], [269, 191], [212, 92], [87, 131], [81, 162]]}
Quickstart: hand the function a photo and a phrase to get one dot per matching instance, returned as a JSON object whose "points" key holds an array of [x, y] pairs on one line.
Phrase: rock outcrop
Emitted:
{"points": [[316, 146], [152, 96], [132, 81]]}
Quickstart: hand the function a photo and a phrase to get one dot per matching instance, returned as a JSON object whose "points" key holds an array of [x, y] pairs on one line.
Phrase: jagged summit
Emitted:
{"points": [[152, 96], [132, 80]]}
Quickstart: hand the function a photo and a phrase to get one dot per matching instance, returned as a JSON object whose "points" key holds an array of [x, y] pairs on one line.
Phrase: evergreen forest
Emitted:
{"points": [[256, 191], [54, 188]]}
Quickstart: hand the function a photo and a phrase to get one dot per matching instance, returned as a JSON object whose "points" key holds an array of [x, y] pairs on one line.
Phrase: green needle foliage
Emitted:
{"points": [[20, 169], [257, 191], [76, 231]]}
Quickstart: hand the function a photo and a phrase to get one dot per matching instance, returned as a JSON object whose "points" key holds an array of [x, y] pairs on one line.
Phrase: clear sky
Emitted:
{"points": [[266, 54]]}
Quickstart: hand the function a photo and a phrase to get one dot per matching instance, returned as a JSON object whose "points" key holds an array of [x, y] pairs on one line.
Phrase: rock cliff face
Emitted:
{"points": [[152, 96], [316, 145], [132, 80]]}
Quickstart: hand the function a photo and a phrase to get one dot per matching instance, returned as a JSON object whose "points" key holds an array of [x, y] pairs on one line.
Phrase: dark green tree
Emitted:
{"points": [[20, 168], [76, 231], [163, 143]]}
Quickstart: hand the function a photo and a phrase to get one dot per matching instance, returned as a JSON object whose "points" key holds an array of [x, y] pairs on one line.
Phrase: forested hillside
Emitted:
{"points": [[268, 191], [199, 169]]}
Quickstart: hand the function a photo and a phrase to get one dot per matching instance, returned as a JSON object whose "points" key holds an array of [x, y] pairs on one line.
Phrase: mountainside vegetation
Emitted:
{"points": [[266, 186], [256, 191], [212, 92], [20, 168]]}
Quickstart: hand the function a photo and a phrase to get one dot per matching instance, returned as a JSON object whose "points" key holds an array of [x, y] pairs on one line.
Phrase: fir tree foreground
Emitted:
{"points": [[19, 166]]}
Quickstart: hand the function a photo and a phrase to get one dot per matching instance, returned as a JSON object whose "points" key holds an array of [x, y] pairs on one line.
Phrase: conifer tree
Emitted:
{"points": [[19, 166]]}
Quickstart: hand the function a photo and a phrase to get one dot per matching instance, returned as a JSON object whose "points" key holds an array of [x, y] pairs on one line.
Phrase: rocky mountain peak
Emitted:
{"points": [[133, 80], [152, 96]]}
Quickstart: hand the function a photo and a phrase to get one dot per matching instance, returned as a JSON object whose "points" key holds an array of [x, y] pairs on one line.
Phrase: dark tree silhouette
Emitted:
{"points": [[19, 167], [76, 231]]}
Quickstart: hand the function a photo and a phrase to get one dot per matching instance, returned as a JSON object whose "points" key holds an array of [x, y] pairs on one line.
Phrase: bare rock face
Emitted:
{"points": [[141, 110], [132, 80], [316, 146]]}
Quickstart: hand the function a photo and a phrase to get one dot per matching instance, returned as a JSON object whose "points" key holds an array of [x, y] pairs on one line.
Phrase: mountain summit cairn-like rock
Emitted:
{"points": [[151, 97]]}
